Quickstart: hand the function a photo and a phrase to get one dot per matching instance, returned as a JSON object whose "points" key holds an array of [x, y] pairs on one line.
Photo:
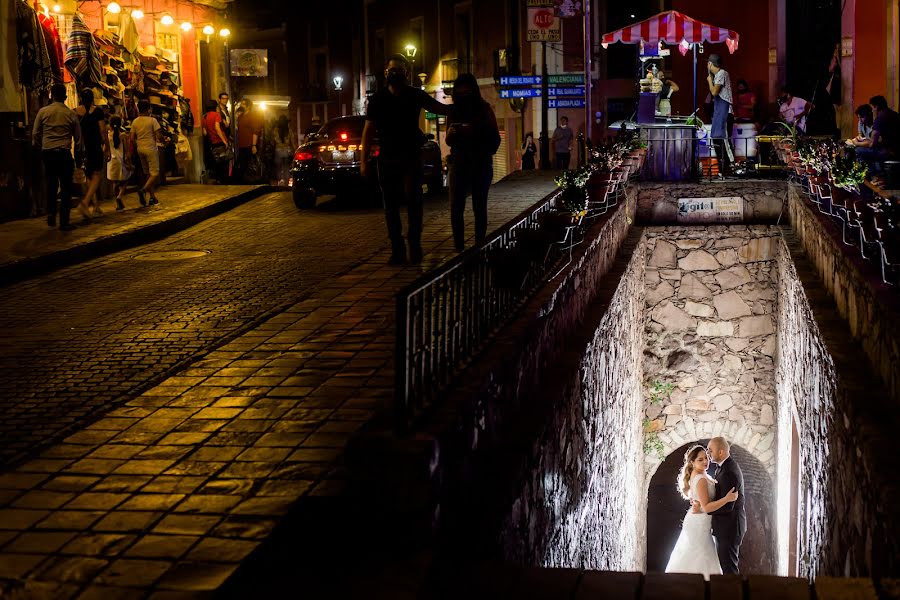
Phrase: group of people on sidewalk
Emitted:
{"points": [[218, 141], [473, 137], [81, 139]]}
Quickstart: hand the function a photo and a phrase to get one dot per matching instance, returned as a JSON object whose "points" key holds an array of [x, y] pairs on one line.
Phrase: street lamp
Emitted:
{"points": [[338, 81], [411, 55]]}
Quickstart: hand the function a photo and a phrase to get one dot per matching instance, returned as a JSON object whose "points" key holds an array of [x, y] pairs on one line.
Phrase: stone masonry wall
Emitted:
{"points": [[848, 511], [576, 507], [514, 395], [658, 202], [710, 332], [871, 308]]}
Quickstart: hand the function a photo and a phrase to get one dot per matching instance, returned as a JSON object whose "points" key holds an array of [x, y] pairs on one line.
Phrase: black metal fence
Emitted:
{"points": [[446, 316]]}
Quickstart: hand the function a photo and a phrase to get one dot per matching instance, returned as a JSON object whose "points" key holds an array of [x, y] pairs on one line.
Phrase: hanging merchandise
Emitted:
{"points": [[35, 72], [82, 58], [54, 46], [129, 36], [187, 116]]}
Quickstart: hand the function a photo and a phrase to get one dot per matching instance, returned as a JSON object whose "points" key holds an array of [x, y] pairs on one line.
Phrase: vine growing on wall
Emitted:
{"points": [[660, 390], [652, 443]]}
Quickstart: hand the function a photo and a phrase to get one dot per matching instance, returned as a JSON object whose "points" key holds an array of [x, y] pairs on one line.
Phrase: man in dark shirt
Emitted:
{"points": [[55, 129], [393, 117]]}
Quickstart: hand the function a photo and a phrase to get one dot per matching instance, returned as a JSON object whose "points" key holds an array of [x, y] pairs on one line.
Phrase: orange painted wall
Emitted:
{"points": [[870, 51], [750, 62]]}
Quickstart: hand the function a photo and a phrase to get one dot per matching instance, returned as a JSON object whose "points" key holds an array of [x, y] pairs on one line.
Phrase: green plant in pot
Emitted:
{"points": [[574, 197], [848, 173]]}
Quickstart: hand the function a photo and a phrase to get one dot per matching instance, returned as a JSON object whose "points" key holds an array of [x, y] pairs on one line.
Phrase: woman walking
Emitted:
{"points": [[96, 151], [473, 138], [118, 169]]}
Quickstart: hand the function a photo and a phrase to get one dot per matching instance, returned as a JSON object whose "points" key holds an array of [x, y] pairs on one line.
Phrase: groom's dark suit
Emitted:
{"points": [[729, 523]]}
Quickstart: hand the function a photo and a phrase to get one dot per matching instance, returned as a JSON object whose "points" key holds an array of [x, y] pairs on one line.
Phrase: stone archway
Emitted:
{"points": [[666, 508]]}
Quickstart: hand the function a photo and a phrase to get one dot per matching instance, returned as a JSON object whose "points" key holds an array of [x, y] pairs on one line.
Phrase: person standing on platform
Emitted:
{"points": [[393, 117], [669, 87], [529, 151], [562, 143], [56, 127], [720, 90]]}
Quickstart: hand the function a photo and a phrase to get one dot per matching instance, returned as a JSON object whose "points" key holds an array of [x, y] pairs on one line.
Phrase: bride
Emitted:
{"points": [[695, 550]]}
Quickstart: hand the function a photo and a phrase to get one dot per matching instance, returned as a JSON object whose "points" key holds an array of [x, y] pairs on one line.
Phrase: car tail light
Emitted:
{"points": [[301, 155], [375, 151], [344, 137]]}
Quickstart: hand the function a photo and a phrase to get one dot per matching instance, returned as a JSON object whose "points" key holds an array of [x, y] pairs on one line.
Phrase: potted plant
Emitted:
{"points": [[573, 198], [847, 173]]}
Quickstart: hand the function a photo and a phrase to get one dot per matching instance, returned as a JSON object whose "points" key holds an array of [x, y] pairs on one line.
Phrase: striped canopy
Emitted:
{"points": [[672, 28]]}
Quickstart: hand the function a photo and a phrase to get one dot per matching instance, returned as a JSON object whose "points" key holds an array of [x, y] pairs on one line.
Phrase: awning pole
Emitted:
{"points": [[695, 78]]}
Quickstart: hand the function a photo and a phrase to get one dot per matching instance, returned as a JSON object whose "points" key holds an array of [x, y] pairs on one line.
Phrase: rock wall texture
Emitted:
{"points": [[871, 308], [516, 454], [710, 333], [577, 505], [658, 202], [846, 421]]}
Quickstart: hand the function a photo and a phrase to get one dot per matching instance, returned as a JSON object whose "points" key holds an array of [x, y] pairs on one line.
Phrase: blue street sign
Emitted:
{"points": [[570, 103], [521, 93], [565, 91], [520, 80]]}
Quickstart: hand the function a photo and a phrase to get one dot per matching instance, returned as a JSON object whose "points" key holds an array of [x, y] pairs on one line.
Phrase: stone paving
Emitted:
{"points": [[172, 488], [27, 239]]}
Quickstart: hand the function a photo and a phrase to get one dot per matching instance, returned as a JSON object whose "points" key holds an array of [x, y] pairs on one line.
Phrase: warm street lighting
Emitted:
{"points": [[186, 26], [410, 51], [337, 80], [167, 19], [224, 32], [57, 8], [208, 30], [114, 8], [137, 14]]}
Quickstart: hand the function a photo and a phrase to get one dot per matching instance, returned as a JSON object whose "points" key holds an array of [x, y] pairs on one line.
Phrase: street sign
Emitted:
{"points": [[550, 3], [507, 80], [565, 91], [543, 25], [430, 116], [520, 93], [566, 103], [566, 79]]}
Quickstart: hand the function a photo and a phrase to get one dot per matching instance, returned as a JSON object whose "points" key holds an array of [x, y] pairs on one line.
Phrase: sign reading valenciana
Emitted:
{"points": [[710, 210]]}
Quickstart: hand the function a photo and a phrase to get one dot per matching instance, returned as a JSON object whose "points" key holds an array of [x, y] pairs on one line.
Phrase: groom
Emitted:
{"points": [[729, 523]]}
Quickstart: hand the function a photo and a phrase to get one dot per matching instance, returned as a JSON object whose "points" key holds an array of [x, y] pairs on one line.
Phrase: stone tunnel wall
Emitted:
{"points": [[710, 333], [576, 507], [846, 421]]}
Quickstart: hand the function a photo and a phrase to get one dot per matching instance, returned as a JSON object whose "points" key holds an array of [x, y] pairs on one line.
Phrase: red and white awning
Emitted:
{"points": [[672, 28]]}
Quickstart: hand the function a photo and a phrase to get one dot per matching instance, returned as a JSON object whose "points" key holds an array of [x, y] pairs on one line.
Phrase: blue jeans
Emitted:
{"points": [[469, 175], [719, 132]]}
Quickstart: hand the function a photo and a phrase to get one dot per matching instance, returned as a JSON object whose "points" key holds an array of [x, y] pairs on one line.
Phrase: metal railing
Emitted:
{"points": [[445, 317]]}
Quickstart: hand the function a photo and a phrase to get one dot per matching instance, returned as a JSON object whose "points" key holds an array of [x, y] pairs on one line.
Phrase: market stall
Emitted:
{"points": [[671, 141]]}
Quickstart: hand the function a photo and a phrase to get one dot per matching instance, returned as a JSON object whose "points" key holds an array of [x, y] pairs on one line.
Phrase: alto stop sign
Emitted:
{"points": [[542, 18]]}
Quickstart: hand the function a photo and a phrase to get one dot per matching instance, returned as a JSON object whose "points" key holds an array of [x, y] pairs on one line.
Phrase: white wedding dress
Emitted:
{"points": [[695, 550]]}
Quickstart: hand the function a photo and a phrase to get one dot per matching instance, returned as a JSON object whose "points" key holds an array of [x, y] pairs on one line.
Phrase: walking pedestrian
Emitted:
{"points": [[529, 151], [393, 116], [118, 169], [147, 133], [473, 137], [96, 152], [562, 143], [55, 129]]}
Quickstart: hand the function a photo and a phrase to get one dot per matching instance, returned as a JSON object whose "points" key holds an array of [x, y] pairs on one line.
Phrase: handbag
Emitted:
{"points": [[254, 170], [78, 176], [222, 153]]}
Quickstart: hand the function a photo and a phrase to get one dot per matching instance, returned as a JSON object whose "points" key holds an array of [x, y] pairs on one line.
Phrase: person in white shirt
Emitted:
{"points": [[720, 89], [793, 110], [146, 131]]}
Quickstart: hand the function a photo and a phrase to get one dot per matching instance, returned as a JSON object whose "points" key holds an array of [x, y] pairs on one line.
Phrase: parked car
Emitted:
{"points": [[328, 163]]}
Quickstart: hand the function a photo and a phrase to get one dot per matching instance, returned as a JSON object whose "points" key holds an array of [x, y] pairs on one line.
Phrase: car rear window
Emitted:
{"points": [[352, 127]]}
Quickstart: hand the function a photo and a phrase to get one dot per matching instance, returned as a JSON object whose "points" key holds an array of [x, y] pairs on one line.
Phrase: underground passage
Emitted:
{"points": [[663, 335]]}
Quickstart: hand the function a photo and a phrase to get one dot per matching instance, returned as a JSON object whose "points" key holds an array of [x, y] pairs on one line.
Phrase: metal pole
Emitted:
{"points": [[695, 77], [588, 120], [545, 138]]}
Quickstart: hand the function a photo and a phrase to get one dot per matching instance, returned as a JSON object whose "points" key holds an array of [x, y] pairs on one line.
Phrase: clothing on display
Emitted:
{"points": [[35, 69], [54, 47], [82, 56]]}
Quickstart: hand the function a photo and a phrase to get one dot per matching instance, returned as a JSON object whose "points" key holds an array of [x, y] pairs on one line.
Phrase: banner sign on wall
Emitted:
{"points": [[711, 210], [249, 62]]}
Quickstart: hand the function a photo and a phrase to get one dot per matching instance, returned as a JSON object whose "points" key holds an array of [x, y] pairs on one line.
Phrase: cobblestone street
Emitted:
{"points": [[163, 468]]}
